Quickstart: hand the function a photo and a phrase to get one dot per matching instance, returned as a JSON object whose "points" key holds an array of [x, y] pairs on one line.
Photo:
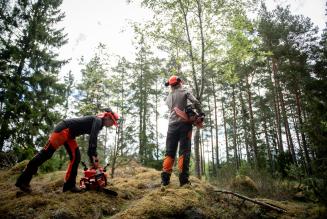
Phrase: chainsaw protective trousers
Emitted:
{"points": [[58, 138], [178, 133]]}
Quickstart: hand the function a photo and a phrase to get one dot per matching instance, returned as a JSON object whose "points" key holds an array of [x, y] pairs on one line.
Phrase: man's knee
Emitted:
{"points": [[168, 163]]}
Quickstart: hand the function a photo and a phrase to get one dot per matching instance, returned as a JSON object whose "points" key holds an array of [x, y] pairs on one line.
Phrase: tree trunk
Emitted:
{"points": [[122, 101], [144, 137], [198, 89], [225, 130], [302, 160], [197, 153], [287, 128], [115, 154], [141, 144], [234, 130], [277, 109], [304, 142], [200, 14], [270, 159], [216, 123], [202, 156], [211, 138], [157, 118], [252, 124], [245, 127]]}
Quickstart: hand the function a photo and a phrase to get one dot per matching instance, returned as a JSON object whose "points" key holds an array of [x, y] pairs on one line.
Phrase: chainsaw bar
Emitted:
{"points": [[195, 120], [109, 192], [182, 114]]}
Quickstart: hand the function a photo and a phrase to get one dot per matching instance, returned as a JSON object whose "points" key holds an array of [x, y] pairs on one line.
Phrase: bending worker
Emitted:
{"points": [[64, 134]]}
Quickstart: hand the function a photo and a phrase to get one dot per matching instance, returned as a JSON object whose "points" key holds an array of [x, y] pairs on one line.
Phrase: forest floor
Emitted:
{"points": [[139, 196]]}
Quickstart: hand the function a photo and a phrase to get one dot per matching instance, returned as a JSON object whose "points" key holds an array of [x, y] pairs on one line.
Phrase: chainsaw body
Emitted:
{"points": [[94, 179]]}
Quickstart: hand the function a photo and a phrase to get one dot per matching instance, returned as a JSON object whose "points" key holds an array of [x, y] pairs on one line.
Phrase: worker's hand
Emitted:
{"points": [[94, 162]]}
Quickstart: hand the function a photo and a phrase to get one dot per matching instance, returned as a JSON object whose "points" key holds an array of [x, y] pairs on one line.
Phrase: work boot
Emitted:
{"points": [[165, 178], [24, 187], [73, 189], [23, 182], [69, 186], [183, 180]]}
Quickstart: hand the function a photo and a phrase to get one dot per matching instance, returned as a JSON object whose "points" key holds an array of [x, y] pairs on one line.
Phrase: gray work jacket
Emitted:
{"points": [[180, 97]]}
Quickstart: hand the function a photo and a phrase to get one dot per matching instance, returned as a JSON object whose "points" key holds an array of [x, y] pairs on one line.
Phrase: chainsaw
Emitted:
{"points": [[95, 179], [190, 116]]}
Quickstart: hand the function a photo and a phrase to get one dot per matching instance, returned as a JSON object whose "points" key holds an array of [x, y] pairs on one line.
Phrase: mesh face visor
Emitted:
{"points": [[113, 116]]}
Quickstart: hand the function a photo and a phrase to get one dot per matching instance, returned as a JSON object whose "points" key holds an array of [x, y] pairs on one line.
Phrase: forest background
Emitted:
{"points": [[260, 75]]}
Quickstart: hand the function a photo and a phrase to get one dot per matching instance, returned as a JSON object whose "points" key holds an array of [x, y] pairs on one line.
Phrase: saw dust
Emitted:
{"points": [[139, 196]]}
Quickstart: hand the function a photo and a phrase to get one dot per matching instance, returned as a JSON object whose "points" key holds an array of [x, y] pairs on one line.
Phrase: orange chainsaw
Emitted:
{"points": [[95, 179], [190, 116]]}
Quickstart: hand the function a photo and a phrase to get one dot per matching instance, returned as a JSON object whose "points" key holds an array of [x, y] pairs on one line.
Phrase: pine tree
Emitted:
{"points": [[29, 69]]}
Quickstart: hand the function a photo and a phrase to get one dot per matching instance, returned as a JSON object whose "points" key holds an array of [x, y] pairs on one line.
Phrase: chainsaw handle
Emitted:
{"points": [[84, 165], [105, 167]]}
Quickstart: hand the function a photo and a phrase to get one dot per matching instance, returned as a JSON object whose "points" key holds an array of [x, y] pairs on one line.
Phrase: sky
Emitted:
{"points": [[89, 22]]}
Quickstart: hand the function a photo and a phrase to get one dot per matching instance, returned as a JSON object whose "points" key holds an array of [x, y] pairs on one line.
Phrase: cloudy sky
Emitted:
{"points": [[89, 22]]}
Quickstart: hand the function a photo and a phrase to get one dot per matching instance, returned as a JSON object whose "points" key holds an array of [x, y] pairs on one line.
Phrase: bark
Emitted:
{"points": [[304, 142], [200, 14], [287, 128], [252, 124], [157, 117], [115, 154], [245, 127], [235, 130], [302, 160], [225, 130], [203, 169], [216, 123], [141, 144], [211, 138], [270, 159], [197, 153], [184, 11], [277, 108]]}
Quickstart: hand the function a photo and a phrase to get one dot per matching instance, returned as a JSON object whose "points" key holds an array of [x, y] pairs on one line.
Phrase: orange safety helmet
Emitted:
{"points": [[173, 80], [109, 114]]}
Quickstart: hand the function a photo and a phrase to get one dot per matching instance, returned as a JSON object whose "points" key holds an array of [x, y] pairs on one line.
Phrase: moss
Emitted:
{"points": [[139, 196], [244, 184]]}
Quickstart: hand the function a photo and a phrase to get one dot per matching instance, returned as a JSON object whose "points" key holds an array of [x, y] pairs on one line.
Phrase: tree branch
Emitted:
{"points": [[270, 206]]}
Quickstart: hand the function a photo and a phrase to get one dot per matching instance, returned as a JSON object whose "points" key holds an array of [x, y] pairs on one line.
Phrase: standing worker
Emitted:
{"points": [[64, 134], [179, 131]]}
